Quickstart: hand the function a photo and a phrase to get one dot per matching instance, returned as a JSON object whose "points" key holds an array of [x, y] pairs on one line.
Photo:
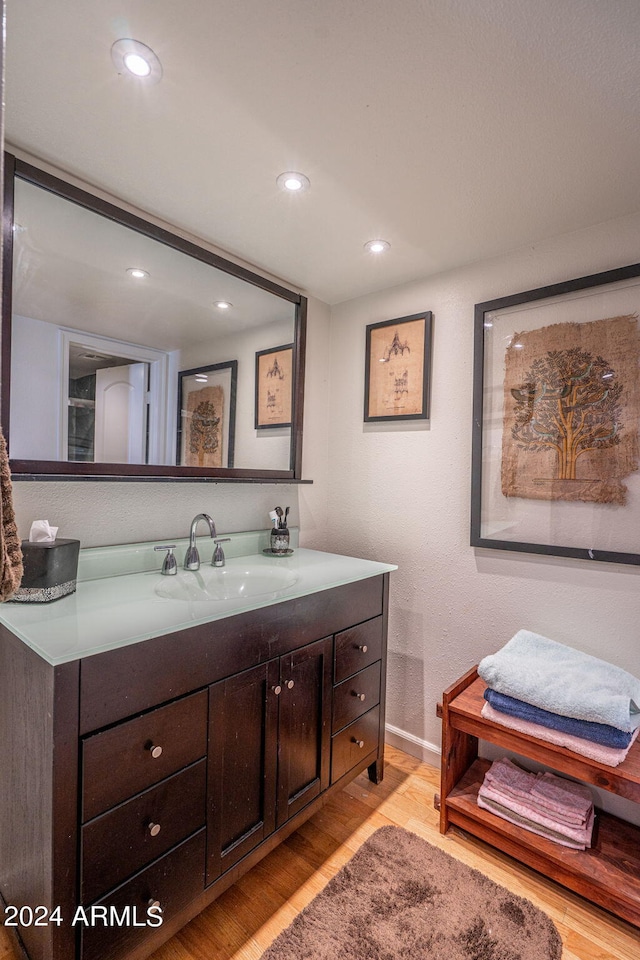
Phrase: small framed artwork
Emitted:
{"points": [[274, 368], [397, 369], [207, 415], [556, 420]]}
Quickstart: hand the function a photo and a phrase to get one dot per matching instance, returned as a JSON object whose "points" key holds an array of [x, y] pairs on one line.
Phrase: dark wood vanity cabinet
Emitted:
{"points": [[268, 750], [162, 771], [243, 765]]}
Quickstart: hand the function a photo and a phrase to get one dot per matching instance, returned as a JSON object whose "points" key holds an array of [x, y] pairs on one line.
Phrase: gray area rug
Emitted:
{"points": [[399, 898]]}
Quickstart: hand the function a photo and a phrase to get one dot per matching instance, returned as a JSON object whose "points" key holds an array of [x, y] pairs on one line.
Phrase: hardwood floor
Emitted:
{"points": [[242, 923]]}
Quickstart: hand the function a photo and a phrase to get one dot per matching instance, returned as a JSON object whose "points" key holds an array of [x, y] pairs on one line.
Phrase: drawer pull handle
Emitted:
{"points": [[359, 743], [289, 684], [153, 828], [155, 750], [363, 648], [360, 696], [277, 689]]}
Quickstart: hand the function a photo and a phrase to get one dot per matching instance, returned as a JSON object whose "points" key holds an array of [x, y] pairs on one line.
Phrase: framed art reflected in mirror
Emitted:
{"points": [[274, 387], [207, 415]]}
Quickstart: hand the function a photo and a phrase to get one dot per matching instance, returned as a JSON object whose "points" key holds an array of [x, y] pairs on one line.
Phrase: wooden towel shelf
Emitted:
{"points": [[609, 872]]}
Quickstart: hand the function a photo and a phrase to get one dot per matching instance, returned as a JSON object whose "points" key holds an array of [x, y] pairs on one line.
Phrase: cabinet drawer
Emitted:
{"points": [[350, 653], [122, 761], [120, 842], [356, 696], [346, 751], [173, 881]]}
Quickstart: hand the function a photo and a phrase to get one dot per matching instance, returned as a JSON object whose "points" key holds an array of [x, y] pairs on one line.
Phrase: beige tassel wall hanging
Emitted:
{"points": [[10, 542]]}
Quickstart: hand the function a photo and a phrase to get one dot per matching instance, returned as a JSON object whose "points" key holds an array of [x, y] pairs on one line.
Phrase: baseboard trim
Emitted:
{"points": [[414, 746]]}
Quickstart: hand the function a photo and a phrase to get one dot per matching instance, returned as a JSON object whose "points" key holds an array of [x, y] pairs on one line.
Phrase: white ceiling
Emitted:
{"points": [[70, 268], [455, 129]]}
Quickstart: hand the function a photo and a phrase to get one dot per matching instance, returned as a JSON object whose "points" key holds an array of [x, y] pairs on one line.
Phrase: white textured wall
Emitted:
{"points": [[102, 513], [401, 493], [317, 465]]}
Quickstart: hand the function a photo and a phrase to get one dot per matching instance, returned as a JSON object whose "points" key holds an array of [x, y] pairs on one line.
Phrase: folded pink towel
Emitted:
{"points": [[569, 818], [609, 756], [510, 777], [529, 825], [563, 798], [578, 834], [547, 794]]}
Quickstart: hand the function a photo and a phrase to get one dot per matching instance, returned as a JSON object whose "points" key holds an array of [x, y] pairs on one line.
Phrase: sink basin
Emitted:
{"points": [[227, 583]]}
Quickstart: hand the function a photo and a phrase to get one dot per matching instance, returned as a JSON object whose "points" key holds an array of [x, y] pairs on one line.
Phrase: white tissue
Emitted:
{"points": [[42, 532]]}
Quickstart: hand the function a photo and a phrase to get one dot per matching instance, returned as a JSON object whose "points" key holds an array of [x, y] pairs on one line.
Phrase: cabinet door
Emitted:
{"points": [[305, 727], [243, 723]]}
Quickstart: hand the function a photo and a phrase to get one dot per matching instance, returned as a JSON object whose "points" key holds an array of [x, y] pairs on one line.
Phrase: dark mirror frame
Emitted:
{"points": [[61, 470]]}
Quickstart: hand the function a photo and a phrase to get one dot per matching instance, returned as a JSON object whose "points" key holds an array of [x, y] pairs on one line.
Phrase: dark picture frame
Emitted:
{"points": [[274, 396], [207, 415], [397, 376], [556, 420]]}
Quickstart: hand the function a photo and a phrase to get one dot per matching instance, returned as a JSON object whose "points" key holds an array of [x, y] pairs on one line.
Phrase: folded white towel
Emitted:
{"points": [[562, 680]]}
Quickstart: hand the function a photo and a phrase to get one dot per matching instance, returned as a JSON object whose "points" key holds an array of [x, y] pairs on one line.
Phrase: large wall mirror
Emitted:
{"points": [[128, 351]]}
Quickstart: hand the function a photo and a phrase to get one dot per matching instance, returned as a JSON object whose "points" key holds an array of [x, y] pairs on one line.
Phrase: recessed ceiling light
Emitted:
{"points": [[137, 273], [136, 59], [293, 182], [222, 304], [377, 246]]}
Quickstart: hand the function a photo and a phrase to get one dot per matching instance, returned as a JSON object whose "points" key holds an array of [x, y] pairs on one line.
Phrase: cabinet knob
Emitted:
{"points": [[289, 684], [154, 904], [360, 696], [153, 828], [359, 743], [363, 648], [277, 689], [156, 750]]}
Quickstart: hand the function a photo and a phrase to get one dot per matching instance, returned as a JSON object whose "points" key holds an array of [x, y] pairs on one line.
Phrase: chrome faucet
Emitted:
{"points": [[218, 559], [192, 557], [170, 565]]}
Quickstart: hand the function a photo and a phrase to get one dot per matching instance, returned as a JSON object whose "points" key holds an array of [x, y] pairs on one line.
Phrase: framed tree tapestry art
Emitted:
{"points": [[556, 441]]}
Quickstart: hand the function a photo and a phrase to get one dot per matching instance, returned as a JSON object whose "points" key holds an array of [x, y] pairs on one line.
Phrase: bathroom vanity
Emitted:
{"points": [[154, 749]]}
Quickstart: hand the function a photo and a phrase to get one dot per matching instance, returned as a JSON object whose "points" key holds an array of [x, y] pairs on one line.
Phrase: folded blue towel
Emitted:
{"points": [[600, 733], [562, 680]]}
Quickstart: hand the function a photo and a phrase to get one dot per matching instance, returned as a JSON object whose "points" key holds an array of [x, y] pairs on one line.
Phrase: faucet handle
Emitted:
{"points": [[218, 554], [170, 565]]}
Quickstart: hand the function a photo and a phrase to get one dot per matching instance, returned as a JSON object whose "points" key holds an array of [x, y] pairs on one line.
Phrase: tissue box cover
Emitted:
{"points": [[50, 571]]}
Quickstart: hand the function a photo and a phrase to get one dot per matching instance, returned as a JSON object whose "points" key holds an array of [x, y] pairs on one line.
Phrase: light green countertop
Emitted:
{"points": [[111, 611]]}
